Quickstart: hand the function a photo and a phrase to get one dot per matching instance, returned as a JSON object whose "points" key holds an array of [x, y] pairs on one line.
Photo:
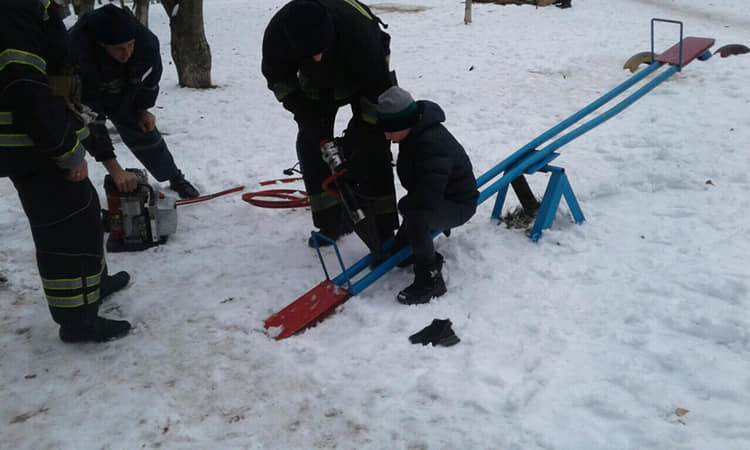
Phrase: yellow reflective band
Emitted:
{"points": [[63, 284], [71, 283], [281, 90], [385, 204], [68, 154], [45, 5], [6, 118], [368, 111], [15, 140], [14, 56], [358, 7], [73, 302], [323, 201], [83, 133]]}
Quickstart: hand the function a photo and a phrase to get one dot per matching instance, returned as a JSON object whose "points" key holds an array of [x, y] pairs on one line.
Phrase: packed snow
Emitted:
{"points": [[630, 330]]}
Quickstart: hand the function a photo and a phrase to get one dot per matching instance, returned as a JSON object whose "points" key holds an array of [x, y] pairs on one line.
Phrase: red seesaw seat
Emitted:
{"points": [[692, 47]]}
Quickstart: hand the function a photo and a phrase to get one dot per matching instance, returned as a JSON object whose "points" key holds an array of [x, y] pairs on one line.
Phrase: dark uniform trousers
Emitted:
{"points": [[369, 157], [65, 219], [149, 147]]}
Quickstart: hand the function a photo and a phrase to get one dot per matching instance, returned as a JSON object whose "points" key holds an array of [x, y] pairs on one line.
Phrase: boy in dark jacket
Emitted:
{"points": [[442, 190], [320, 55], [119, 63]]}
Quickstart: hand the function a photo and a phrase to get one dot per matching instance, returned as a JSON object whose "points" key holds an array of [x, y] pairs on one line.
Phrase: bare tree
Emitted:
{"points": [[141, 11], [81, 7], [190, 50]]}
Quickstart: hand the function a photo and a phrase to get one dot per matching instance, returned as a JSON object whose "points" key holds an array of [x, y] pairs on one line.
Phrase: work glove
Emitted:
{"points": [[439, 332]]}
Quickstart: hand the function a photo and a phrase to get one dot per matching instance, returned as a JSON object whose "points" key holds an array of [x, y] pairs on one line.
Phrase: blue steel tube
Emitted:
{"points": [[541, 154], [509, 161], [603, 117]]}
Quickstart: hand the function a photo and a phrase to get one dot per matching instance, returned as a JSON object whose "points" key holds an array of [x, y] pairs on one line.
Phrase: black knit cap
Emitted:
{"points": [[309, 27], [396, 110], [112, 25]]}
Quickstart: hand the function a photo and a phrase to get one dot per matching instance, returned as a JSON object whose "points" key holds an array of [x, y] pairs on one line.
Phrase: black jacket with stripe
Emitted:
{"points": [[36, 128], [355, 68]]}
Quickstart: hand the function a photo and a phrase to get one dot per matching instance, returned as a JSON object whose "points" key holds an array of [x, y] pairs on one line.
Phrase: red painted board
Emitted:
{"points": [[307, 310], [692, 47]]}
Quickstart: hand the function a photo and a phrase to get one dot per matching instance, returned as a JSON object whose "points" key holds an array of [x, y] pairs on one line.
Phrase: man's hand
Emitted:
{"points": [[146, 121], [124, 180], [79, 172]]}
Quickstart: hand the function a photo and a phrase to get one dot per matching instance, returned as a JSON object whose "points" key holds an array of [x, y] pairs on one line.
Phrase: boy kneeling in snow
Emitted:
{"points": [[442, 190]]}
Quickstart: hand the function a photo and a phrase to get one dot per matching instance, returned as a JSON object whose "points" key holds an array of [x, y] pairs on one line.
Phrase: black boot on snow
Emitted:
{"points": [[183, 187], [428, 283], [439, 332], [102, 330], [113, 283]]}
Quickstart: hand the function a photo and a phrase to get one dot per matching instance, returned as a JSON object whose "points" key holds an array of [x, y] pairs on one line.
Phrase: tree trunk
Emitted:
{"points": [[467, 12], [190, 50], [141, 11], [81, 7]]}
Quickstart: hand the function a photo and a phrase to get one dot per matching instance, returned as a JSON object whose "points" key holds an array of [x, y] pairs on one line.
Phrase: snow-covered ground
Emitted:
{"points": [[628, 331]]}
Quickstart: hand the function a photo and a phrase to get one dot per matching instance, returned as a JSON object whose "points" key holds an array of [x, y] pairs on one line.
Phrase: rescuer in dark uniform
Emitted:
{"points": [[319, 55], [119, 63], [41, 152]]}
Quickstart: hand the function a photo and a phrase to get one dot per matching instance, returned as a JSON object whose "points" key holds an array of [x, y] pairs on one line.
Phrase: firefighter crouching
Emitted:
{"points": [[41, 152]]}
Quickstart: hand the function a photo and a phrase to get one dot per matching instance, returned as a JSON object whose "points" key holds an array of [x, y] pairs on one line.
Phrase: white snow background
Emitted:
{"points": [[628, 331]]}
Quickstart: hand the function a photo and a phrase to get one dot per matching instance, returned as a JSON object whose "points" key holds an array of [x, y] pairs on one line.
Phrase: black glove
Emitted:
{"points": [[439, 332]]}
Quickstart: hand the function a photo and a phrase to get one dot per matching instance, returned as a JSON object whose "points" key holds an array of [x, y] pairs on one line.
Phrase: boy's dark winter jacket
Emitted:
{"points": [[432, 165]]}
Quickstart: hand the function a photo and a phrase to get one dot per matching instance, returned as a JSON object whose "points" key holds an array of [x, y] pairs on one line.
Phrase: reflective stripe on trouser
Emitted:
{"points": [[322, 201], [65, 221], [72, 292]]}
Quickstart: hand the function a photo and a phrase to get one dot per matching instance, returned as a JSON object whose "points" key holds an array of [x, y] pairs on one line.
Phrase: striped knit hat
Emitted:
{"points": [[396, 110]]}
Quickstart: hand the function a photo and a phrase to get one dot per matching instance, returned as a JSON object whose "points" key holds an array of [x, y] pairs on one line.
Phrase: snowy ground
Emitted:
{"points": [[600, 335]]}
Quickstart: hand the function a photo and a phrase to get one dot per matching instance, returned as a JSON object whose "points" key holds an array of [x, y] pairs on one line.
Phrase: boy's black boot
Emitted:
{"points": [[100, 330], [428, 283]]}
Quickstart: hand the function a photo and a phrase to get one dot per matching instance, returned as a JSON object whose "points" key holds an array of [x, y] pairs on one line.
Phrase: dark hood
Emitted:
{"points": [[430, 114]]}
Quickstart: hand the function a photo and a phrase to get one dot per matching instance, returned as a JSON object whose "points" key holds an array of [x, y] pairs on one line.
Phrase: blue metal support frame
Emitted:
{"points": [[557, 187], [679, 66]]}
